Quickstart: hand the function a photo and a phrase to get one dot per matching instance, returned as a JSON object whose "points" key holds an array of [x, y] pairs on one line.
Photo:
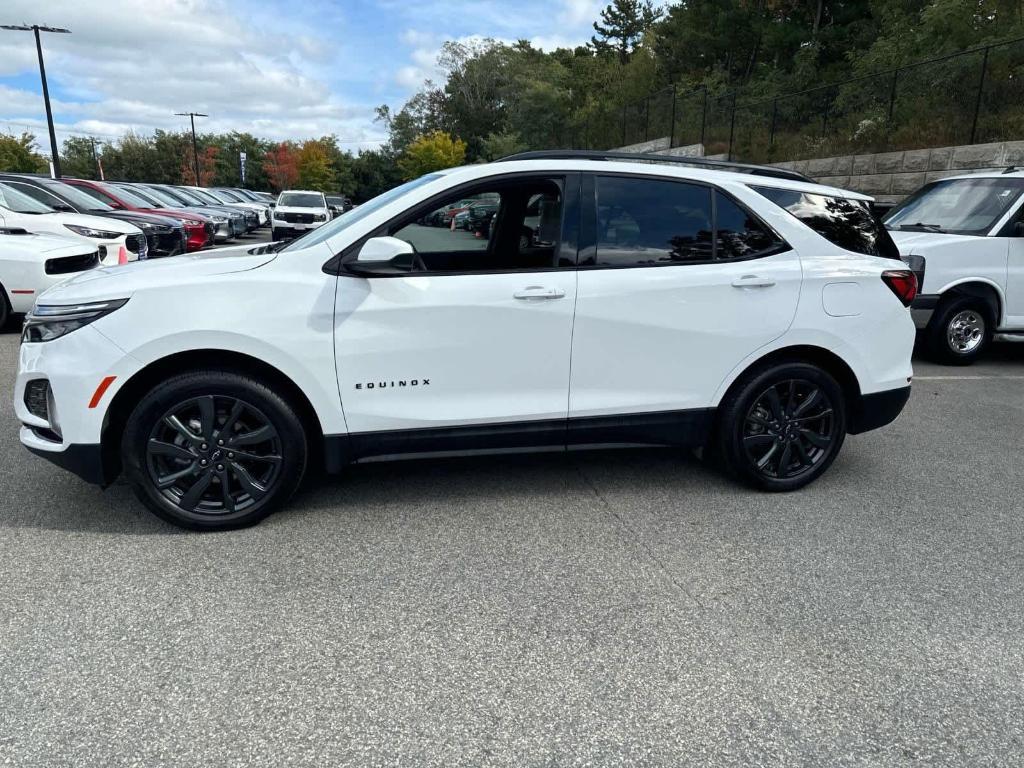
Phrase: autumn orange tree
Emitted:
{"points": [[281, 166], [207, 166]]}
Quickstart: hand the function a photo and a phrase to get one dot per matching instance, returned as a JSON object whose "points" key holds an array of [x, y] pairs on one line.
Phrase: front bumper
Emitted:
{"points": [[294, 229], [83, 460], [74, 365]]}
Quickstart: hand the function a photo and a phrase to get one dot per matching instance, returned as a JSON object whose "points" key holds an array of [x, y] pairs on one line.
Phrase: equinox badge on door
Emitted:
{"points": [[389, 384]]}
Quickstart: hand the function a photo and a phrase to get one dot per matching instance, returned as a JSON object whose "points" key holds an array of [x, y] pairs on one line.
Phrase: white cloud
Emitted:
{"points": [[576, 12], [131, 64]]}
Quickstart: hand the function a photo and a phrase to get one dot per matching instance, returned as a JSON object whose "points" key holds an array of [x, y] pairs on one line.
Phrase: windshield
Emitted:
{"points": [[957, 206], [301, 199], [187, 196], [159, 196], [76, 196], [133, 198], [336, 225], [206, 196], [13, 200], [224, 194]]}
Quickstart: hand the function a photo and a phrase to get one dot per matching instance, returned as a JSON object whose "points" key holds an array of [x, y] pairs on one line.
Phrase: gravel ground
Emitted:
{"points": [[606, 608]]}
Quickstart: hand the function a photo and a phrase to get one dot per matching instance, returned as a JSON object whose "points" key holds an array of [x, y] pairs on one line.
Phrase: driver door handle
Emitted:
{"points": [[753, 281], [538, 293]]}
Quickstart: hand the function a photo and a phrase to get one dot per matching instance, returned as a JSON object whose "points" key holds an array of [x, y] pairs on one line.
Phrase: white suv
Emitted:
{"points": [[296, 212], [964, 238], [743, 309]]}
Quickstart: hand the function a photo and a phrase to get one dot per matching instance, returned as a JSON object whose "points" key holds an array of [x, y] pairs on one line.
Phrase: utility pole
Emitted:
{"points": [[35, 28], [96, 158], [195, 147]]}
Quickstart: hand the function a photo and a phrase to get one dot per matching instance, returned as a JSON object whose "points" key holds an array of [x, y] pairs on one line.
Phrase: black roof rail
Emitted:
{"points": [[696, 162]]}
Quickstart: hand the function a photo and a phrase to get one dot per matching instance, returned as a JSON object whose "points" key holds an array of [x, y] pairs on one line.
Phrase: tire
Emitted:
{"points": [[803, 425], [174, 433], [5, 308], [959, 331]]}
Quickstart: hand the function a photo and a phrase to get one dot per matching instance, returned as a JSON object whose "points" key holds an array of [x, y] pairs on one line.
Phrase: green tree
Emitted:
{"points": [[498, 145], [432, 152], [20, 154], [78, 157], [623, 25]]}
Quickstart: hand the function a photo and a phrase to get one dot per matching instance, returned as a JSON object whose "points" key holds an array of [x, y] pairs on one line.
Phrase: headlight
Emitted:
{"points": [[320, 217], [219, 219], [192, 223], [47, 322], [99, 234]]}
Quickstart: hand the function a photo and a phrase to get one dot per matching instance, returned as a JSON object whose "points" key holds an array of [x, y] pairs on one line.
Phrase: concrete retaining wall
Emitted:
{"points": [[887, 176]]}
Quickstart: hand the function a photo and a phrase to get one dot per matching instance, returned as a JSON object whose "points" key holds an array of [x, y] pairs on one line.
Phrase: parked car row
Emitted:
{"points": [[51, 229]]}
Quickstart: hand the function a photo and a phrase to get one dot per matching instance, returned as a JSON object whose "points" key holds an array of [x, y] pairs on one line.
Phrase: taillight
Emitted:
{"points": [[903, 283]]}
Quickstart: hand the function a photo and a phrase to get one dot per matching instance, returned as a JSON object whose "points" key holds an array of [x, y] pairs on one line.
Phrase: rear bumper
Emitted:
{"points": [[922, 308], [877, 409]]}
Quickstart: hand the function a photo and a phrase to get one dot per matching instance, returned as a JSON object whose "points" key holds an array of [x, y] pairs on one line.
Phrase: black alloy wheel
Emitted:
{"points": [[789, 428], [214, 449], [781, 425], [214, 456]]}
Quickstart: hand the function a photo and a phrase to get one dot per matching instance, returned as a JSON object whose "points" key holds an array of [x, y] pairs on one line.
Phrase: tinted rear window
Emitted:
{"points": [[842, 221]]}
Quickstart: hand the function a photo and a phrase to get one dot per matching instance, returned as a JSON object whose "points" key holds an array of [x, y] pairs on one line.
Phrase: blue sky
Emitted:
{"points": [[274, 68]]}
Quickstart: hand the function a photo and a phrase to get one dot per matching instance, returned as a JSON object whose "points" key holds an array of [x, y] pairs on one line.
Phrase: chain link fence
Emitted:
{"points": [[972, 97]]}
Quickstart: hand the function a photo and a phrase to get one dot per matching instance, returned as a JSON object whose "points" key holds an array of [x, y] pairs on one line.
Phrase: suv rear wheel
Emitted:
{"points": [[958, 331], [213, 450], [781, 426]]}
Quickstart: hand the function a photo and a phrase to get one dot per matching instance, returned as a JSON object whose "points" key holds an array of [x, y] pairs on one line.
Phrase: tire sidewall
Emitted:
{"points": [[5, 308], [180, 388], [739, 401], [938, 332]]}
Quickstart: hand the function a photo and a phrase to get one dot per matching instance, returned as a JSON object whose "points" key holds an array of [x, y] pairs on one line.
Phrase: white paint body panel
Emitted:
{"points": [[23, 265], [53, 224], [488, 356], [664, 338]]}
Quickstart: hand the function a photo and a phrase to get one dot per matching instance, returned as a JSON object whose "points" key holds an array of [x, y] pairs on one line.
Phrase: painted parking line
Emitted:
{"points": [[967, 378]]}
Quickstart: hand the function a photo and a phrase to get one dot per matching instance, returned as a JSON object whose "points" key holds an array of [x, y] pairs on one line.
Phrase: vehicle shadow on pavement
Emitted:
{"points": [[484, 483]]}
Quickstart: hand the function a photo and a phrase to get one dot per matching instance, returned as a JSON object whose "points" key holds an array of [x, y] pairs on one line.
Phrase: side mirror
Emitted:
{"points": [[382, 256]]}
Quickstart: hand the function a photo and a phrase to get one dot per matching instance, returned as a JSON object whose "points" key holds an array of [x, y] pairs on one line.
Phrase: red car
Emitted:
{"points": [[198, 228]]}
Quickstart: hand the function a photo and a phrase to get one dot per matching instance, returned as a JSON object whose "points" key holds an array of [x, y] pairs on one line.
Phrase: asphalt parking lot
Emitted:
{"points": [[607, 608]]}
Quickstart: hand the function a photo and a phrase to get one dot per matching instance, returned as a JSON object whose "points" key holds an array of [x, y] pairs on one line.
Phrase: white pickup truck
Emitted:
{"points": [[297, 211], [964, 238]]}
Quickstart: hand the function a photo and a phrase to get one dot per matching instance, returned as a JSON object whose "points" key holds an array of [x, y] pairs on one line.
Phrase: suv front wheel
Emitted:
{"points": [[213, 450], [781, 426]]}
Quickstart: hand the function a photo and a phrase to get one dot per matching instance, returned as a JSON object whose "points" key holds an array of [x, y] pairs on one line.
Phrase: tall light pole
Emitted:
{"points": [[195, 148], [46, 91]]}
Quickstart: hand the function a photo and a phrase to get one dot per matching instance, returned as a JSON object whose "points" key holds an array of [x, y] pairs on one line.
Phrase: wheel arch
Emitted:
{"points": [[825, 359], [146, 378], [985, 290]]}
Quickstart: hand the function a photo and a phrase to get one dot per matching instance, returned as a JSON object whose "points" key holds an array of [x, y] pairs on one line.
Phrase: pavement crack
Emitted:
{"points": [[638, 541]]}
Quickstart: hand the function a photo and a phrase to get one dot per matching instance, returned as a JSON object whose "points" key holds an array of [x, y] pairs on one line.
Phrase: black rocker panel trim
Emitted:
{"points": [[670, 428]]}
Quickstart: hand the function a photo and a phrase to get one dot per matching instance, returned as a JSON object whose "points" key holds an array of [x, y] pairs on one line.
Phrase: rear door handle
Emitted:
{"points": [[753, 281], [538, 293]]}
